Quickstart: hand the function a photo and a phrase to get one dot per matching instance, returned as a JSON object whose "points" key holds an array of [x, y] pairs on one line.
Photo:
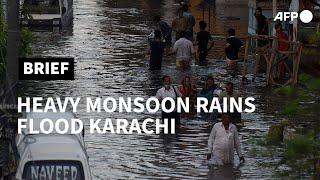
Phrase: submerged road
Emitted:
{"points": [[108, 41]]}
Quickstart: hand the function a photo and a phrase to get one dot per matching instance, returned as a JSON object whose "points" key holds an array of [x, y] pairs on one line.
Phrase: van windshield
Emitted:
{"points": [[53, 170], [42, 6]]}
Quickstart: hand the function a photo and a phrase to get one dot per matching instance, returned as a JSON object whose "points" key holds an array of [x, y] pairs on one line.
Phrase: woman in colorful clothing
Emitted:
{"points": [[189, 90], [209, 91]]}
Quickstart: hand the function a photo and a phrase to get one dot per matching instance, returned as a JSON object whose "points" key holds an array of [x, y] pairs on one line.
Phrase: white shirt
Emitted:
{"points": [[184, 49], [222, 142], [163, 93]]}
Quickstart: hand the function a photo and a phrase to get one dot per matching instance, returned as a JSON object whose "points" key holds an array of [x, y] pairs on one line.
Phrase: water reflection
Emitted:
{"points": [[227, 172]]}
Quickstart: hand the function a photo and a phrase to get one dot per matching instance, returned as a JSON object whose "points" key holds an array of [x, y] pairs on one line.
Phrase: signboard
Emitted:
{"points": [[53, 170]]}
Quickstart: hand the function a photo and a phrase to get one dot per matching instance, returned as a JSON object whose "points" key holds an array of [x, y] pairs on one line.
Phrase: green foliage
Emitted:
{"points": [[26, 40], [304, 34], [25, 34], [294, 96], [285, 91], [304, 78], [25, 15], [300, 151], [274, 136], [315, 39], [314, 84], [291, 109], [302, 146], [309, 36]]}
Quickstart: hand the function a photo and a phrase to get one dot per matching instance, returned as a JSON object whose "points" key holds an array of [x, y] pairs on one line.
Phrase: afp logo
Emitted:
{"points": [[305, 16]]}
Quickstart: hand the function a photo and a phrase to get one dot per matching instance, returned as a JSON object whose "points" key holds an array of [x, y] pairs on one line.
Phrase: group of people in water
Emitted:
{"points": [[178, 39], [161, 42], [224, 137]]}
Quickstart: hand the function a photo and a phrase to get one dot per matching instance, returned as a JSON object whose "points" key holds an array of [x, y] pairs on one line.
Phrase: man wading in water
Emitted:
{"points": [[156, 51], [222, 142], [166, 31], [179, 24], [169, 91], [232, 48], [202, 40], [184, 50]]}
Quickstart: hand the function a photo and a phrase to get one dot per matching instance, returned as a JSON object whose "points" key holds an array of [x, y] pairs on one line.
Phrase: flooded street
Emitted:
{"points": [[108, 42]]}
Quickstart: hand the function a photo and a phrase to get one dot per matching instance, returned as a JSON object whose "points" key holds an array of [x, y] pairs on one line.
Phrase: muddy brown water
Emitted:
{"points": [[108, 41]]}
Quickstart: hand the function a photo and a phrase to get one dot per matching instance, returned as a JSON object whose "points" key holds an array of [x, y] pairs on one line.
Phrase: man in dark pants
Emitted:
{"points": [[169, 91], [166, 31], [202, 40], [232, 48], [156, 51]]}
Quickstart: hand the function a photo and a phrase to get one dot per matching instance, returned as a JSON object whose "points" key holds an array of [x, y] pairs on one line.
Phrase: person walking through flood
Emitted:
{"points": [[235, 117], [156, 51], [184, 50], [232, 47], [202, 40], [210, 91], [166, 31], [222, 141], [179, 24], [189, 90], [169, 90], [282, 46], [191, 21], [262, 26]]}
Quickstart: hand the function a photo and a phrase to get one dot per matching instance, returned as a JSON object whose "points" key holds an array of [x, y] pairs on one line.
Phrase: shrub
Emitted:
{"points": [[302, 147]]}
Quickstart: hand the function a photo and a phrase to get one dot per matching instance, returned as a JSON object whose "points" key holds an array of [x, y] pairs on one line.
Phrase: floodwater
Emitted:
{"points": [[108, 41]]}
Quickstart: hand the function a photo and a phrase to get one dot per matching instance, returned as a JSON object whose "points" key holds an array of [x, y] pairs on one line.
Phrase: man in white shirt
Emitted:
{"points": [[184, 50], [169, 91], [222, 142]]}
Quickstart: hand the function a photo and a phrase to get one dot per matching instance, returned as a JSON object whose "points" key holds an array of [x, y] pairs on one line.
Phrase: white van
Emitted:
{"points": [[47, 13], [53, 156]]}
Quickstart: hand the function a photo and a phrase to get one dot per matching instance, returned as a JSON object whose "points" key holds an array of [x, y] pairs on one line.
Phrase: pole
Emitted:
{"points": [[13, 39], [274, 8], [295, 24], [274, 12], [12, 50]]}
